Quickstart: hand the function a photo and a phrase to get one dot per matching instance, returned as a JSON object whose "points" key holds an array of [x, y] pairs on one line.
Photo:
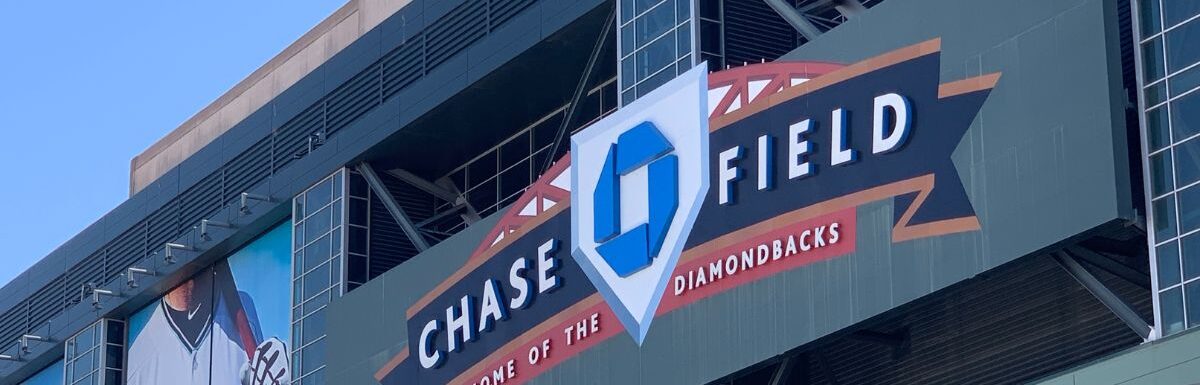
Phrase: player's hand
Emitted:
{"points": [[270, 365]]}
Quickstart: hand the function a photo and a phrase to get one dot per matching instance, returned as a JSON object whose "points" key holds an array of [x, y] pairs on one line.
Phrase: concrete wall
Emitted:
{"points": [[317, 46]]}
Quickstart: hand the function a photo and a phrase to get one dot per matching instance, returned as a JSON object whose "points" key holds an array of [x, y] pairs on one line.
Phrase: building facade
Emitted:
{"points": [[658, 191]]}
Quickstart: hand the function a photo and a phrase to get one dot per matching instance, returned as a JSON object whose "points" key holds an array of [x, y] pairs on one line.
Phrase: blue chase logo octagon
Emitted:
{"points": [[641, 146]]}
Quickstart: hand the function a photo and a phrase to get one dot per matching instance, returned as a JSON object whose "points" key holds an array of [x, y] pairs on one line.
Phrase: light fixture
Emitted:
{"points": [[246, 197], [96, 293], [205, 224], [129, 275], [169, 254], [24, 342]]}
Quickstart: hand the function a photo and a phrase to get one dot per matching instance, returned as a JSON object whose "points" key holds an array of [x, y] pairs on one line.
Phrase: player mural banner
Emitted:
{"points": [[227, 325], [708, 183]]}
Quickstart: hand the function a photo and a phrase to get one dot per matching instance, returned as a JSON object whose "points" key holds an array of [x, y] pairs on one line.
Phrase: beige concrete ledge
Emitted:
{"points": [[308, 52]]}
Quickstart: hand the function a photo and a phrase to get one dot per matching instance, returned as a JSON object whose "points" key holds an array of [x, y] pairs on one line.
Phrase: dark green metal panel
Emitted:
{"points": [[1044, 161]]}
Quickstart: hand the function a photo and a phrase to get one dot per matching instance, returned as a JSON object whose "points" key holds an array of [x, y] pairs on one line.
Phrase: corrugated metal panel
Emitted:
{"points": [[502, 10], [1020, 323], [202, 199], [457, 29], [389, 245], [46, 304], [247, 169], [13, 322], [754, 32], [403, 65], [354, 98], [126, 250], [291, 140]]}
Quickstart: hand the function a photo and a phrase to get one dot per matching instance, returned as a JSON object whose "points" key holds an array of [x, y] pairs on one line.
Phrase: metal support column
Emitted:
{"points": [[1114, 303], [1126, 272], [795, 18], [784, 372], [849, 8], [443, 192], [580, 88], [425, 185], [393, 208]]}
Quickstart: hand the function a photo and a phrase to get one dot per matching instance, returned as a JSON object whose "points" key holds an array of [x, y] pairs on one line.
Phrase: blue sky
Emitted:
{"points": [[85, 86]]}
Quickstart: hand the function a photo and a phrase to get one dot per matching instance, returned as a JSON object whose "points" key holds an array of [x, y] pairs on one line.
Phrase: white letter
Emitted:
{"points": [[459, 329], [679, 283], [430, 356], [520, 283], [766, 162], [491, 310], [798, 149], [546, 266], [900, 128], [841, 152], [728, 174]]}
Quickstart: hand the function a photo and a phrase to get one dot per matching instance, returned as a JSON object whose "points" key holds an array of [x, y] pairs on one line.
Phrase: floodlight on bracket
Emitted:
{"points": [[246, 197], [205, 224], [169, 254], [6, 357], [130, 280], [24, 341], [96, 293]]}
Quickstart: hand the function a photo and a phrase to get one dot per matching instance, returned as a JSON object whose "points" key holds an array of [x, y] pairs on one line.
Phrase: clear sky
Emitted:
{"points": [[86, 85]]}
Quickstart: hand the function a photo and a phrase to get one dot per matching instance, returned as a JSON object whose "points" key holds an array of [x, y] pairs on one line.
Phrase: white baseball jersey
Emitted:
{"points": [[160, 356]]}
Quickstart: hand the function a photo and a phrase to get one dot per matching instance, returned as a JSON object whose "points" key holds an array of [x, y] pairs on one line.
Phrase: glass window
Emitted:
{"points": [[710, 9], [1156, 94], [1190, 252], [1171, 307], [1148, 12], [655, 56], [628, 77], [1183, 46], [318, 266], [1160, 173], [316, 253], [1185, 81], [1185, 116], [1168, 264], [656, 36], [628, 42], [1164, 218], [657, 80], [642, 5], [1157, 128], [318, 224], [683, 10], [1152, 60], [654, 23], [1189, 209], [1176, 11], [1187, 162], [685, 39], [318, 196], [1192, 296]]}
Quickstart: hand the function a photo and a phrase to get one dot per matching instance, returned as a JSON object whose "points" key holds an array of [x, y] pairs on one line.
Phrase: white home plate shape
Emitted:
{"points": [[638, 178]]}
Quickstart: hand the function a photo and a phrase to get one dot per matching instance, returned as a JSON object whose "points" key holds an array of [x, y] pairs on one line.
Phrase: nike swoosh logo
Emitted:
{"points": [[193, 312]]}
